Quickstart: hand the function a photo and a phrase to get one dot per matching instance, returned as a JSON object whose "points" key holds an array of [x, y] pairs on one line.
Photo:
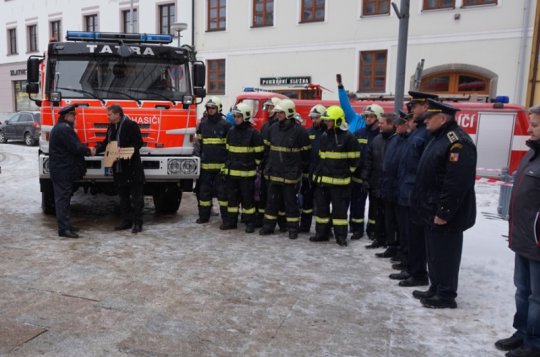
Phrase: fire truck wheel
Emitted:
{"points": [[47, 198], [167, 198]]}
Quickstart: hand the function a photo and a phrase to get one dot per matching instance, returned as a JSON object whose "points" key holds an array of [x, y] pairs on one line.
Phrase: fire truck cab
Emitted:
{"points": [[157, 86]]}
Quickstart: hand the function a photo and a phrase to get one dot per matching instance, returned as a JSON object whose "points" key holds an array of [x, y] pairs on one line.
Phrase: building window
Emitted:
{"points": [[455, 83], [375, 7], [263, 13], [22, 102], [55, 30], [12, 41], [216, 76], [32, 38], [167, 16], [312, 10], [479, 2], [126, 21], [439, 4], [372, 71], [216, 15], [91, 23]]}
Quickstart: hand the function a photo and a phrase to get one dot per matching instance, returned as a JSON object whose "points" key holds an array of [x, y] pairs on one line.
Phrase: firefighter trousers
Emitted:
{"points": [[339, 197], [282, 196], [240, 192], [307, 191], [211, 184], [261, 207]]}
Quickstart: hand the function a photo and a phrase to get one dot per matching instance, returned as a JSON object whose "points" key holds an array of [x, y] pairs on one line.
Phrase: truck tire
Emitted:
{"points": [[167, 198], [47, 197]]}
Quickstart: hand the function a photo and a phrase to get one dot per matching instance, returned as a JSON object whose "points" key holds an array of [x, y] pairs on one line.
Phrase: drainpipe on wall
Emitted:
{"points": [[522, 52], [193, 23]]}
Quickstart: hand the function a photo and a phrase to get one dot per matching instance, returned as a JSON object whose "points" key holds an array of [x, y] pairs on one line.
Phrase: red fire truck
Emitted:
{"points": [[157, 85], [499, 130]]}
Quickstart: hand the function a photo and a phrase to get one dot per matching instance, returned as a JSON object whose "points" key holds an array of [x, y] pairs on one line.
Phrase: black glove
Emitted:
{"points": [[338, 80]]}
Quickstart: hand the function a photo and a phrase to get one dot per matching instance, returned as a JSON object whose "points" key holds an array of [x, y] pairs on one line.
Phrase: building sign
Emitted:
{"points": [[287, 81], [17, 72]]}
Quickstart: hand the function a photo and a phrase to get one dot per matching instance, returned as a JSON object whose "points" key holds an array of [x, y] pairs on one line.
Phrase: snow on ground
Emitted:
{"points": [[184, 289]]}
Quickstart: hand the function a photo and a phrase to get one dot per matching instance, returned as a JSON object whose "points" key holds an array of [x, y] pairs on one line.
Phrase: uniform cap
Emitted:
{"points": [[419, 97], [68, 109], [436, 107]]}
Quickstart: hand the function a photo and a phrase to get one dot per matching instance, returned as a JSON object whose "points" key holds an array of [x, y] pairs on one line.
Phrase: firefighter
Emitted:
{"points": [[212, 135], [444, 199], [288, 159], [244, 153], [66, 166], [128, 173], [339, 153], [307, 190], [359, 193]]}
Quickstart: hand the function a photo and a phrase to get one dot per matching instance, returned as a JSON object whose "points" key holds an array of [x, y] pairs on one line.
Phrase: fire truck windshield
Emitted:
{"points": [[119, 78]]}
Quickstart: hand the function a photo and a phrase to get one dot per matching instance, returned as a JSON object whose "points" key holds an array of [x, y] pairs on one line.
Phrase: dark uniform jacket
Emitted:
{"points": [[373, 165], [212, 136], [524, 223], [363, 136], [244, 151], [314, 134], [339, 153], [445, 179], [390, 175], [66, 153], [128, 134], [412, 149], [288, 152]]}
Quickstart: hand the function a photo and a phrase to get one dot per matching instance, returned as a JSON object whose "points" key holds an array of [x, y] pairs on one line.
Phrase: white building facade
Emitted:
{"points": [[29, 25], [469, 46]]}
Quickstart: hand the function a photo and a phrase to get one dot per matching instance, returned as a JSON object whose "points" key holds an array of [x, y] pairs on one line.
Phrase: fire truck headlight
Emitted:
{"points": [[189, 167], [173, 166], [46, 166]]}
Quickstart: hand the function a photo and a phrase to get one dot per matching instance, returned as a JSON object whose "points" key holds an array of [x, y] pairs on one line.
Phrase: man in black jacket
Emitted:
{"points": [[524, 240], [66, 165], [444, 199], [128, 173]]}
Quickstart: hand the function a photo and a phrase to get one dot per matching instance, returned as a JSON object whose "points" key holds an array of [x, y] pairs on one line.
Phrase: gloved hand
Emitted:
{"points": [[338, 80]]}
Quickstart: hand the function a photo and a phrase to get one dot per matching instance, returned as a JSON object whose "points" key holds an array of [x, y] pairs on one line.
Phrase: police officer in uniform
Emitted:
{"points": [[444, 198], [244, 153], [339, 153], [66, 165], [128, 173], [288, 159], [308, 189], [212, 135]]}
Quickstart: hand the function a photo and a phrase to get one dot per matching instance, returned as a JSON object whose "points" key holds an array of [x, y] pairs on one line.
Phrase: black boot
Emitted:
{"points": [[266, 230], [319, 238], [250, 228], [124, 225], [68, 234], [510, 343], [375, 244], [410, 281], [225, 226], [388, 253], [436, 302], [293, 233], [524, 352], [419, 294], [341, 241], [305, 223], [137, 227], [202, 220], [399, 276], [357, 235]]}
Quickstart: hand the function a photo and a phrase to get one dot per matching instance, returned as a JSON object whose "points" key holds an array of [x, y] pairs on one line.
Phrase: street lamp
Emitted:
{"points": [[178, 27]]}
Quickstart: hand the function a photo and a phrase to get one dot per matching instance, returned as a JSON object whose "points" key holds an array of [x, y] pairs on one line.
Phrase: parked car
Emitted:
{"points": [[25, 126]]}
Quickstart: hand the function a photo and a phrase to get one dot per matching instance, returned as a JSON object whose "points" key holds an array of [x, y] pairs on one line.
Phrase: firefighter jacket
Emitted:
{"points": [[314, 134], [288, 152], [524, 223], [373, 165], [393, 155], [412, 151], [66, 153], [212, 136], [363, 136], [245, 150], [339, 153], [265, 131], [445, 179]]}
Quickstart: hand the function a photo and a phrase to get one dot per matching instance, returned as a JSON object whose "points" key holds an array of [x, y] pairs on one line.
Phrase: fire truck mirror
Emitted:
{"points": [[199, 73], [199, 92], [32, 70], [124, 51], [32, 88]]}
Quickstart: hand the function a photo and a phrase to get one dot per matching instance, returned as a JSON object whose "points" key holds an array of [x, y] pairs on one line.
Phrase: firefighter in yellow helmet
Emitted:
{"points": [[338, 158]]}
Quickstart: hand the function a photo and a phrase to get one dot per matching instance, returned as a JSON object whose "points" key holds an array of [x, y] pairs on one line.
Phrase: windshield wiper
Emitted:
{"points": [[122, 93], [83, 91], [155, 93]]}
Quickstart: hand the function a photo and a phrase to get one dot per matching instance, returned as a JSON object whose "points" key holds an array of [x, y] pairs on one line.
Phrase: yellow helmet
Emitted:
{"points": [[287, 106], [243, 109], [214, 102], [317, 111], [336, 114], [374, 109]]}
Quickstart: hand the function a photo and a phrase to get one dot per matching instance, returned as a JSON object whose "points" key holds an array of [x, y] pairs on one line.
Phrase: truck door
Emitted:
{"points": [[494, 141]]}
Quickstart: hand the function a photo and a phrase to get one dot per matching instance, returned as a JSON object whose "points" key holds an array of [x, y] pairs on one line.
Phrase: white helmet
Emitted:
{"points": [[287, 106], [272, 101], [244, 109], [214, 102], [317, 110], [374, 109]]}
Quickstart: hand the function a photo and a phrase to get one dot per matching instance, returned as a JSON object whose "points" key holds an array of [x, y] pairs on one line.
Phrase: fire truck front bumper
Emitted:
{"points": [[156, 168]]}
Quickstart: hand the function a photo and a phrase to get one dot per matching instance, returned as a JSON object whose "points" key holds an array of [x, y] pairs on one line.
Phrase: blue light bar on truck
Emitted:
{"points": [[118, 36]]}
